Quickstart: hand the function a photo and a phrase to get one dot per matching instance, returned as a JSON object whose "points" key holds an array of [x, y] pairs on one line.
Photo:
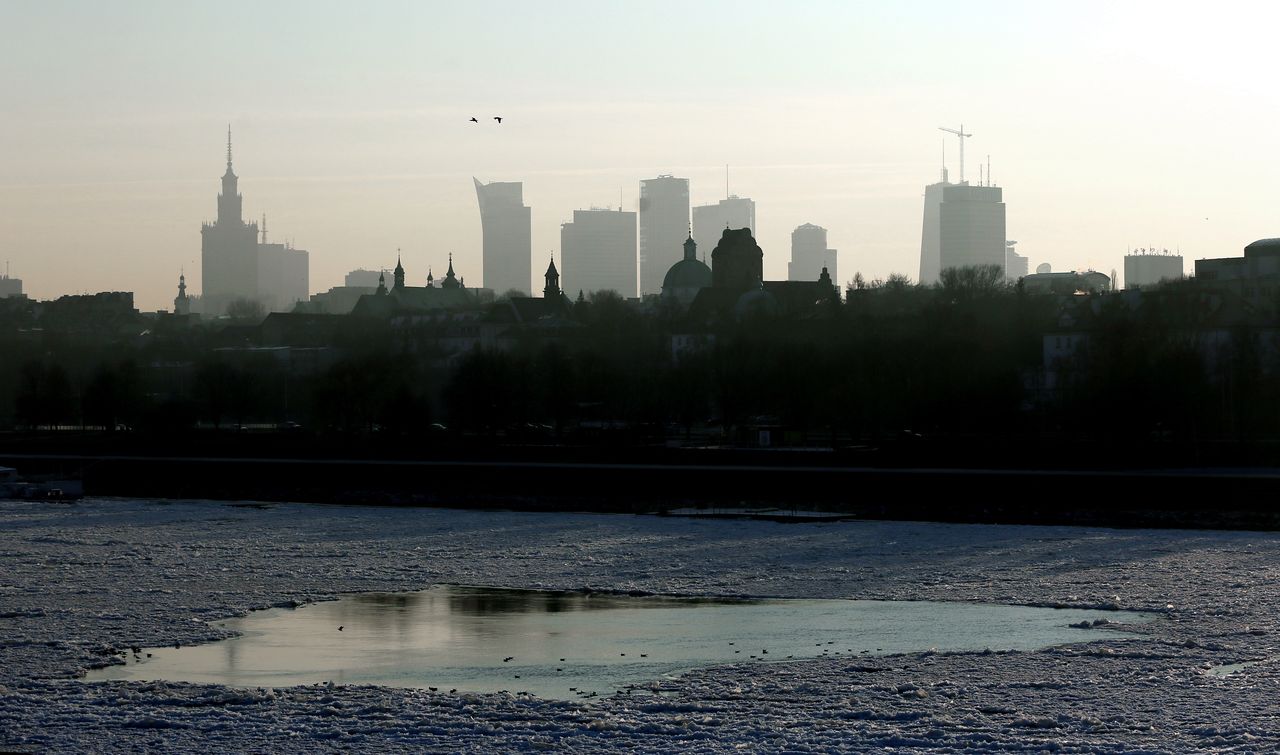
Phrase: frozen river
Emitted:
{"points": [[83, 584]]}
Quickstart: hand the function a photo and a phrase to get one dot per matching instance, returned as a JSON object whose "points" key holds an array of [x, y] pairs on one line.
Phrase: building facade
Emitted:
{"points": [[10, 286], [664, 224], [710, 220], [1145, 268], [361, 279], [1254, 278], [506, 226], [964, 225], [810, 255], [598, 251]]}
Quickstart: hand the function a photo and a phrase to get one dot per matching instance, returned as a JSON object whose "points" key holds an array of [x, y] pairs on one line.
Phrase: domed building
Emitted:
{"points": [[739, 292], [687, 277]]}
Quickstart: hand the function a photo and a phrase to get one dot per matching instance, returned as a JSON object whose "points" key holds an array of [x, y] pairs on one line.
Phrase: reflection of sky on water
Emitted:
{"points": [[459, 637]]}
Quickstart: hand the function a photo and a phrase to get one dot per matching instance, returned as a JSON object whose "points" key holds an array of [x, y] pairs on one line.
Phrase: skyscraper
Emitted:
{"points": [[1015, 265], [9, 286], [709, 221], [283, 274], [598, 251], [964, 225], [228, 249], [664, 225], [505, 223], [235, 265], [809, 254]]}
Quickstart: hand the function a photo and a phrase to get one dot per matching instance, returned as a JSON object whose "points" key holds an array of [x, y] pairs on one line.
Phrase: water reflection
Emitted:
{"points": [[567, 645]]}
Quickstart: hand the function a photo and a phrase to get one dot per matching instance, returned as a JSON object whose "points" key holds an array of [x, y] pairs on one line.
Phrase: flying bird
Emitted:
{"points": [[340, 628], [474, 119], [498, 118]]}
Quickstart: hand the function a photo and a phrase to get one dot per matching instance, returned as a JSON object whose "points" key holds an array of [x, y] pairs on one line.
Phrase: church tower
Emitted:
{"points": [[450, 279], [182, 304], [398, 285], [552, 289]]}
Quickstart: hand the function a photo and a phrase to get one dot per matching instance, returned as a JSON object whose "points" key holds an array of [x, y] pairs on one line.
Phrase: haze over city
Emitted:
{"points": [[1108, 128]]}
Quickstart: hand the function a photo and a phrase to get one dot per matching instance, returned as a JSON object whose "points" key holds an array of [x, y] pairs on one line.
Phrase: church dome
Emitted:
{"points": [[687, 274]]}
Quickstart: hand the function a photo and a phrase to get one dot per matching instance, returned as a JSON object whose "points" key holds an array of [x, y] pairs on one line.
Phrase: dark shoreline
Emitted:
{"points": [[851, 482]]}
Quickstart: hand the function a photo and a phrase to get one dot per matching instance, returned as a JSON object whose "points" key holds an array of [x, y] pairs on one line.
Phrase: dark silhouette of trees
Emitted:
{"points": [[963, 358], [44, 396], [113, 397], [246, 311]]}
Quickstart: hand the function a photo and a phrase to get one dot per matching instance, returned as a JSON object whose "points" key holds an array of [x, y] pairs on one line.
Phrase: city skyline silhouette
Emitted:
{"points": [[1101, 141]]}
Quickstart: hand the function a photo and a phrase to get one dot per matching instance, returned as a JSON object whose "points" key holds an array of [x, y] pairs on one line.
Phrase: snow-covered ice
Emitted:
{"points": [[81, 584]]}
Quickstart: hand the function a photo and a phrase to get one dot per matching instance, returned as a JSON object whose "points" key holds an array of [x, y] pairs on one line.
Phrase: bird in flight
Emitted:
{"points": [[498, 118], [474, 119]]}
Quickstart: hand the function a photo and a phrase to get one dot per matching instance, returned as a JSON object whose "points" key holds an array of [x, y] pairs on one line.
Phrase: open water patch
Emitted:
{"points": [[571, 645]]}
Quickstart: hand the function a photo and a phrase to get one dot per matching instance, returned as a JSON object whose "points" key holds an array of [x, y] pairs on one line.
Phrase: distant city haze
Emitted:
{"points": [[1108, 128]]}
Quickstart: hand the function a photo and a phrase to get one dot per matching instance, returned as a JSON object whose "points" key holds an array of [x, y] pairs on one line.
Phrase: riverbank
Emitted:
{"points": [[660, 480]]}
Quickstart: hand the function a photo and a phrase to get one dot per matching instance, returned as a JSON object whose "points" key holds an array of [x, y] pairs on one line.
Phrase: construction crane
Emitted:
{"points": [[962, 136]]}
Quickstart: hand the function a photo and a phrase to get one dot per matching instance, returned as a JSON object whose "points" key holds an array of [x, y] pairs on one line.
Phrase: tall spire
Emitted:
{"points": [[264, 228], [552, 289], [450, 278], [229, 201], [182, 304], [398, 273]]}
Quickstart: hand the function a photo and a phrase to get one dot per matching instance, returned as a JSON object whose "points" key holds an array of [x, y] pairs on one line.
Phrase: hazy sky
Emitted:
{"points": [[1109, 125]]}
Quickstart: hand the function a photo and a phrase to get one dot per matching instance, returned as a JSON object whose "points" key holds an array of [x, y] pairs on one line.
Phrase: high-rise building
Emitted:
{"points": [[664, 225], [809, 254], [361, 279], [234, 264], [964, 225], [1147, 267], [9, 286], [283, 274], [598, 251], [709, 221], [506, 224], [228, 250]]}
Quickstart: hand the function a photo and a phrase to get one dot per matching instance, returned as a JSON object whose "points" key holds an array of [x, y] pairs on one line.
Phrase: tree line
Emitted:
{"points": [[964, 357]]}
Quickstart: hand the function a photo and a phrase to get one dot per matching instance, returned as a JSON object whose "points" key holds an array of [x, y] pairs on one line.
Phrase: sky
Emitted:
{"points": [[1109, 126]]}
